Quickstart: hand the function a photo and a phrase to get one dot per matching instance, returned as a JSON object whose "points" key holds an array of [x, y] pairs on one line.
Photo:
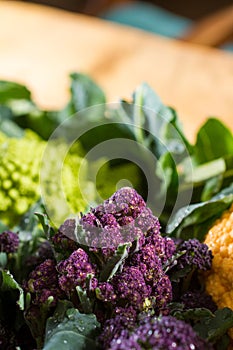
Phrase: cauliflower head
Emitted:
{"points": [[219, 280]]}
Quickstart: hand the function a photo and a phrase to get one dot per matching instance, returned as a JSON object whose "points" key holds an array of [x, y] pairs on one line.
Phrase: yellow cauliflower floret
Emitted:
{"points": [[219, 280]]}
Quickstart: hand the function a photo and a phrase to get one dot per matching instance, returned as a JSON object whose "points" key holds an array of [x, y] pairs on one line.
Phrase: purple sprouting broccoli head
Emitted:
{"points": [[75, 270], [105, 292], [9, 242], [160, 333], [196, 299], [148, 263], [43, 283], [197, 255], [124, 217], [43, 253], [124, 320], [65, 239], [131, 287]]}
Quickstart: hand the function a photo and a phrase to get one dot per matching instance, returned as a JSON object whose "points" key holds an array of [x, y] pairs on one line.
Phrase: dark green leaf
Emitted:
{"points": [[84, 300], [75, 331], [45, 222], [85, 92], [7, 125], [185, 223], [13, 91], [194, 315], [214, 140], [115, 262], [8, 283], [213, 328], [167, 172]]}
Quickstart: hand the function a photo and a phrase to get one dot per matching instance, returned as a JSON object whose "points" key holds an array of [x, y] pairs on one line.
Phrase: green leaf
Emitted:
{"points": [[167, 172], [214, 140], [84, 300], [8, 283], [190, 221], [7, 125], [45, 222], [194, 315], [114, 263], [213, 328], [75, 331], [13, 91], [85, 92]]}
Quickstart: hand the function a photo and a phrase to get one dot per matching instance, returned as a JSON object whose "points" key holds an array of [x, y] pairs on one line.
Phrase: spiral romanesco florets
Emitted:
{"points": [[20, 170], [19, 174]]}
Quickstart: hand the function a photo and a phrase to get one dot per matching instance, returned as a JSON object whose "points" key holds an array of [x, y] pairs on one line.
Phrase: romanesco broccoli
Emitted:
{"points": [[20, 176]]}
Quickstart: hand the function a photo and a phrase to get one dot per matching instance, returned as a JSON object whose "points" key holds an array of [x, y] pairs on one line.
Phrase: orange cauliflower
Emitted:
{"points": [[219, 281]]}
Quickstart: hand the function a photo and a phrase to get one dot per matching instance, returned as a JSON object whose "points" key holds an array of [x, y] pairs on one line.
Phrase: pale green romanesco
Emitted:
{"points": [[20, 174]]}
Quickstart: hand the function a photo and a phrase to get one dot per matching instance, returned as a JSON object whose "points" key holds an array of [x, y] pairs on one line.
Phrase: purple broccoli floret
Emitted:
{"points": [[105, 292], [198, 299], [130, 286], [74, 271], [125, 202], [148, 262], [197, 255], [161, 333], [43, 283], [43, 253], [124, 320], [9, 242], [65, 240]]}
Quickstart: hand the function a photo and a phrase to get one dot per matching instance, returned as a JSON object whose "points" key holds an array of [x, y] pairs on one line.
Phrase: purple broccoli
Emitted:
{"points": [[9, 242], [75, 270], [197, 255], [158, 334], [43, 283]]}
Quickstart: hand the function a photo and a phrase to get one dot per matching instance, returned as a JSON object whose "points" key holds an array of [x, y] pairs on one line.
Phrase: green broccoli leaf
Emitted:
{"points": [[114, 263], [193, 220], [214, 327], [206, 148], [71, 330], [7, 125], [9, 284], [85, 92], [46, 224], [195, 315], [13, 91]]}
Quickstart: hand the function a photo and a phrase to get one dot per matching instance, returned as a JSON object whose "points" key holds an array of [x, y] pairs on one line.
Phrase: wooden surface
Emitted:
{"points": [[39, 46]]}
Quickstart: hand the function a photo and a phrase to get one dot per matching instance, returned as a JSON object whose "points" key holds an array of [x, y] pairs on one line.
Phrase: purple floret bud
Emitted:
{"points": [[197, 254], [43, 277], [9, 242], [197, 299], [127, 202], [43, 252], [74, 271], [105, 292], [43, 283], [147, 222], [108, 220], [162, 291], [65, 239], [162, 333], [148, 263], [130, 286], [124, 320]]}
